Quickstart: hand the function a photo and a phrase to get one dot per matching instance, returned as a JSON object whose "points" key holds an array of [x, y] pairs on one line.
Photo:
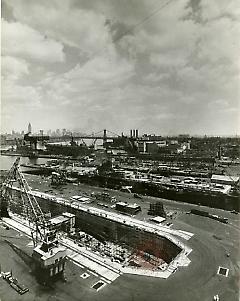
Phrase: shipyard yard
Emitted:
{"points": [[197, 282], [146, 224], [214, 244], [120, 151]]}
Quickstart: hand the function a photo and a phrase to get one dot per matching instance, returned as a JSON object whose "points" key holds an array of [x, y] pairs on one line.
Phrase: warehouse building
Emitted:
{"points": [[226, 180]]}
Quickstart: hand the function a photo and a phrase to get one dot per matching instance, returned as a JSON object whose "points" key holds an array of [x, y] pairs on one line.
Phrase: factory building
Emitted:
{"points": [[154, 146], [64, 222], [128, 208], [151, 146], [133, 133]]}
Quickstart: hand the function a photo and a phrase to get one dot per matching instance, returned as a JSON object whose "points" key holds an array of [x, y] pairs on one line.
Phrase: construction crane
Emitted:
{"points": [[48, 256]]}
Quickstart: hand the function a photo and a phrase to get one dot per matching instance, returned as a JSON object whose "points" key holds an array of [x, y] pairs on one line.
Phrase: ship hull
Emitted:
{"points": [[68, 150], [209, 199]]}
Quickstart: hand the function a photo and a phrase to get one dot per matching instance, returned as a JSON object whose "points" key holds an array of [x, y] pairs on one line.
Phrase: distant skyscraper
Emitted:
{"points": [[29, 128]]}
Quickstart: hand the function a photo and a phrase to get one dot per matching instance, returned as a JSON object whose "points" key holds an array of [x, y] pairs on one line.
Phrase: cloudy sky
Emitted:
{"points": [[165, 67]]}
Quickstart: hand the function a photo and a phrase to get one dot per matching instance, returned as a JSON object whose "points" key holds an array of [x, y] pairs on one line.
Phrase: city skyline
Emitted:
{"points": [[67, 131], [161, 67]]}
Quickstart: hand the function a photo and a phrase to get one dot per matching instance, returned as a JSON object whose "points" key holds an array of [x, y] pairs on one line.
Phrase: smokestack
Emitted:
{"points": [[136, 133], [131, 133]]}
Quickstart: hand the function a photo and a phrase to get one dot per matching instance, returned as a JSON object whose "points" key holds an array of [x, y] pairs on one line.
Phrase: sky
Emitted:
{"points": [[164, 67]]}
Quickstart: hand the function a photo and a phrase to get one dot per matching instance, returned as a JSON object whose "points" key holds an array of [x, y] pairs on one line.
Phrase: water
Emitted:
{"points": [[6, 162]]}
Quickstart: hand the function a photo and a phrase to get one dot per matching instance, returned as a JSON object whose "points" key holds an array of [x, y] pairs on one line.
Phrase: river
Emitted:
{"points": [[6, 162]]}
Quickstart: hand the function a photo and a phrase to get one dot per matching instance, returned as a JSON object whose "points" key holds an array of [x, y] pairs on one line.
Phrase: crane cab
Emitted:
{"points": [[49, 259]]}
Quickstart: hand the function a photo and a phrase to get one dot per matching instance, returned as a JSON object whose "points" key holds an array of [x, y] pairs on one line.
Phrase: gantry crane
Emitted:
{"points": [[31, 208], [6, 191], [48, 256]]}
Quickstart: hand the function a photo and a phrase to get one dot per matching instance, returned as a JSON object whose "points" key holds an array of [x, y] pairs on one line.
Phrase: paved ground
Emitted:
{"points": [[199, 281]]}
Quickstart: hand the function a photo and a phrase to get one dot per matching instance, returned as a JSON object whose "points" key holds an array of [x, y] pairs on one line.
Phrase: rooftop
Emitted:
{"points": [[225, 178], [59, 219], [158, 219]]}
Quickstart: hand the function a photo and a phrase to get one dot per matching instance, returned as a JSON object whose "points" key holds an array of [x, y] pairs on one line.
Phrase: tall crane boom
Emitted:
{"points": [[31, 207], [33, 210], [48, 256]]}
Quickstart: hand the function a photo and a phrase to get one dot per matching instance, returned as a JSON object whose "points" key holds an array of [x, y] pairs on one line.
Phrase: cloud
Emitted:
{"points": [[14, 68], [103, 70], [14, 93], [216, 9], [177, 70], [89, 80], [75, 27], [211, 48], [22, 41]]}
